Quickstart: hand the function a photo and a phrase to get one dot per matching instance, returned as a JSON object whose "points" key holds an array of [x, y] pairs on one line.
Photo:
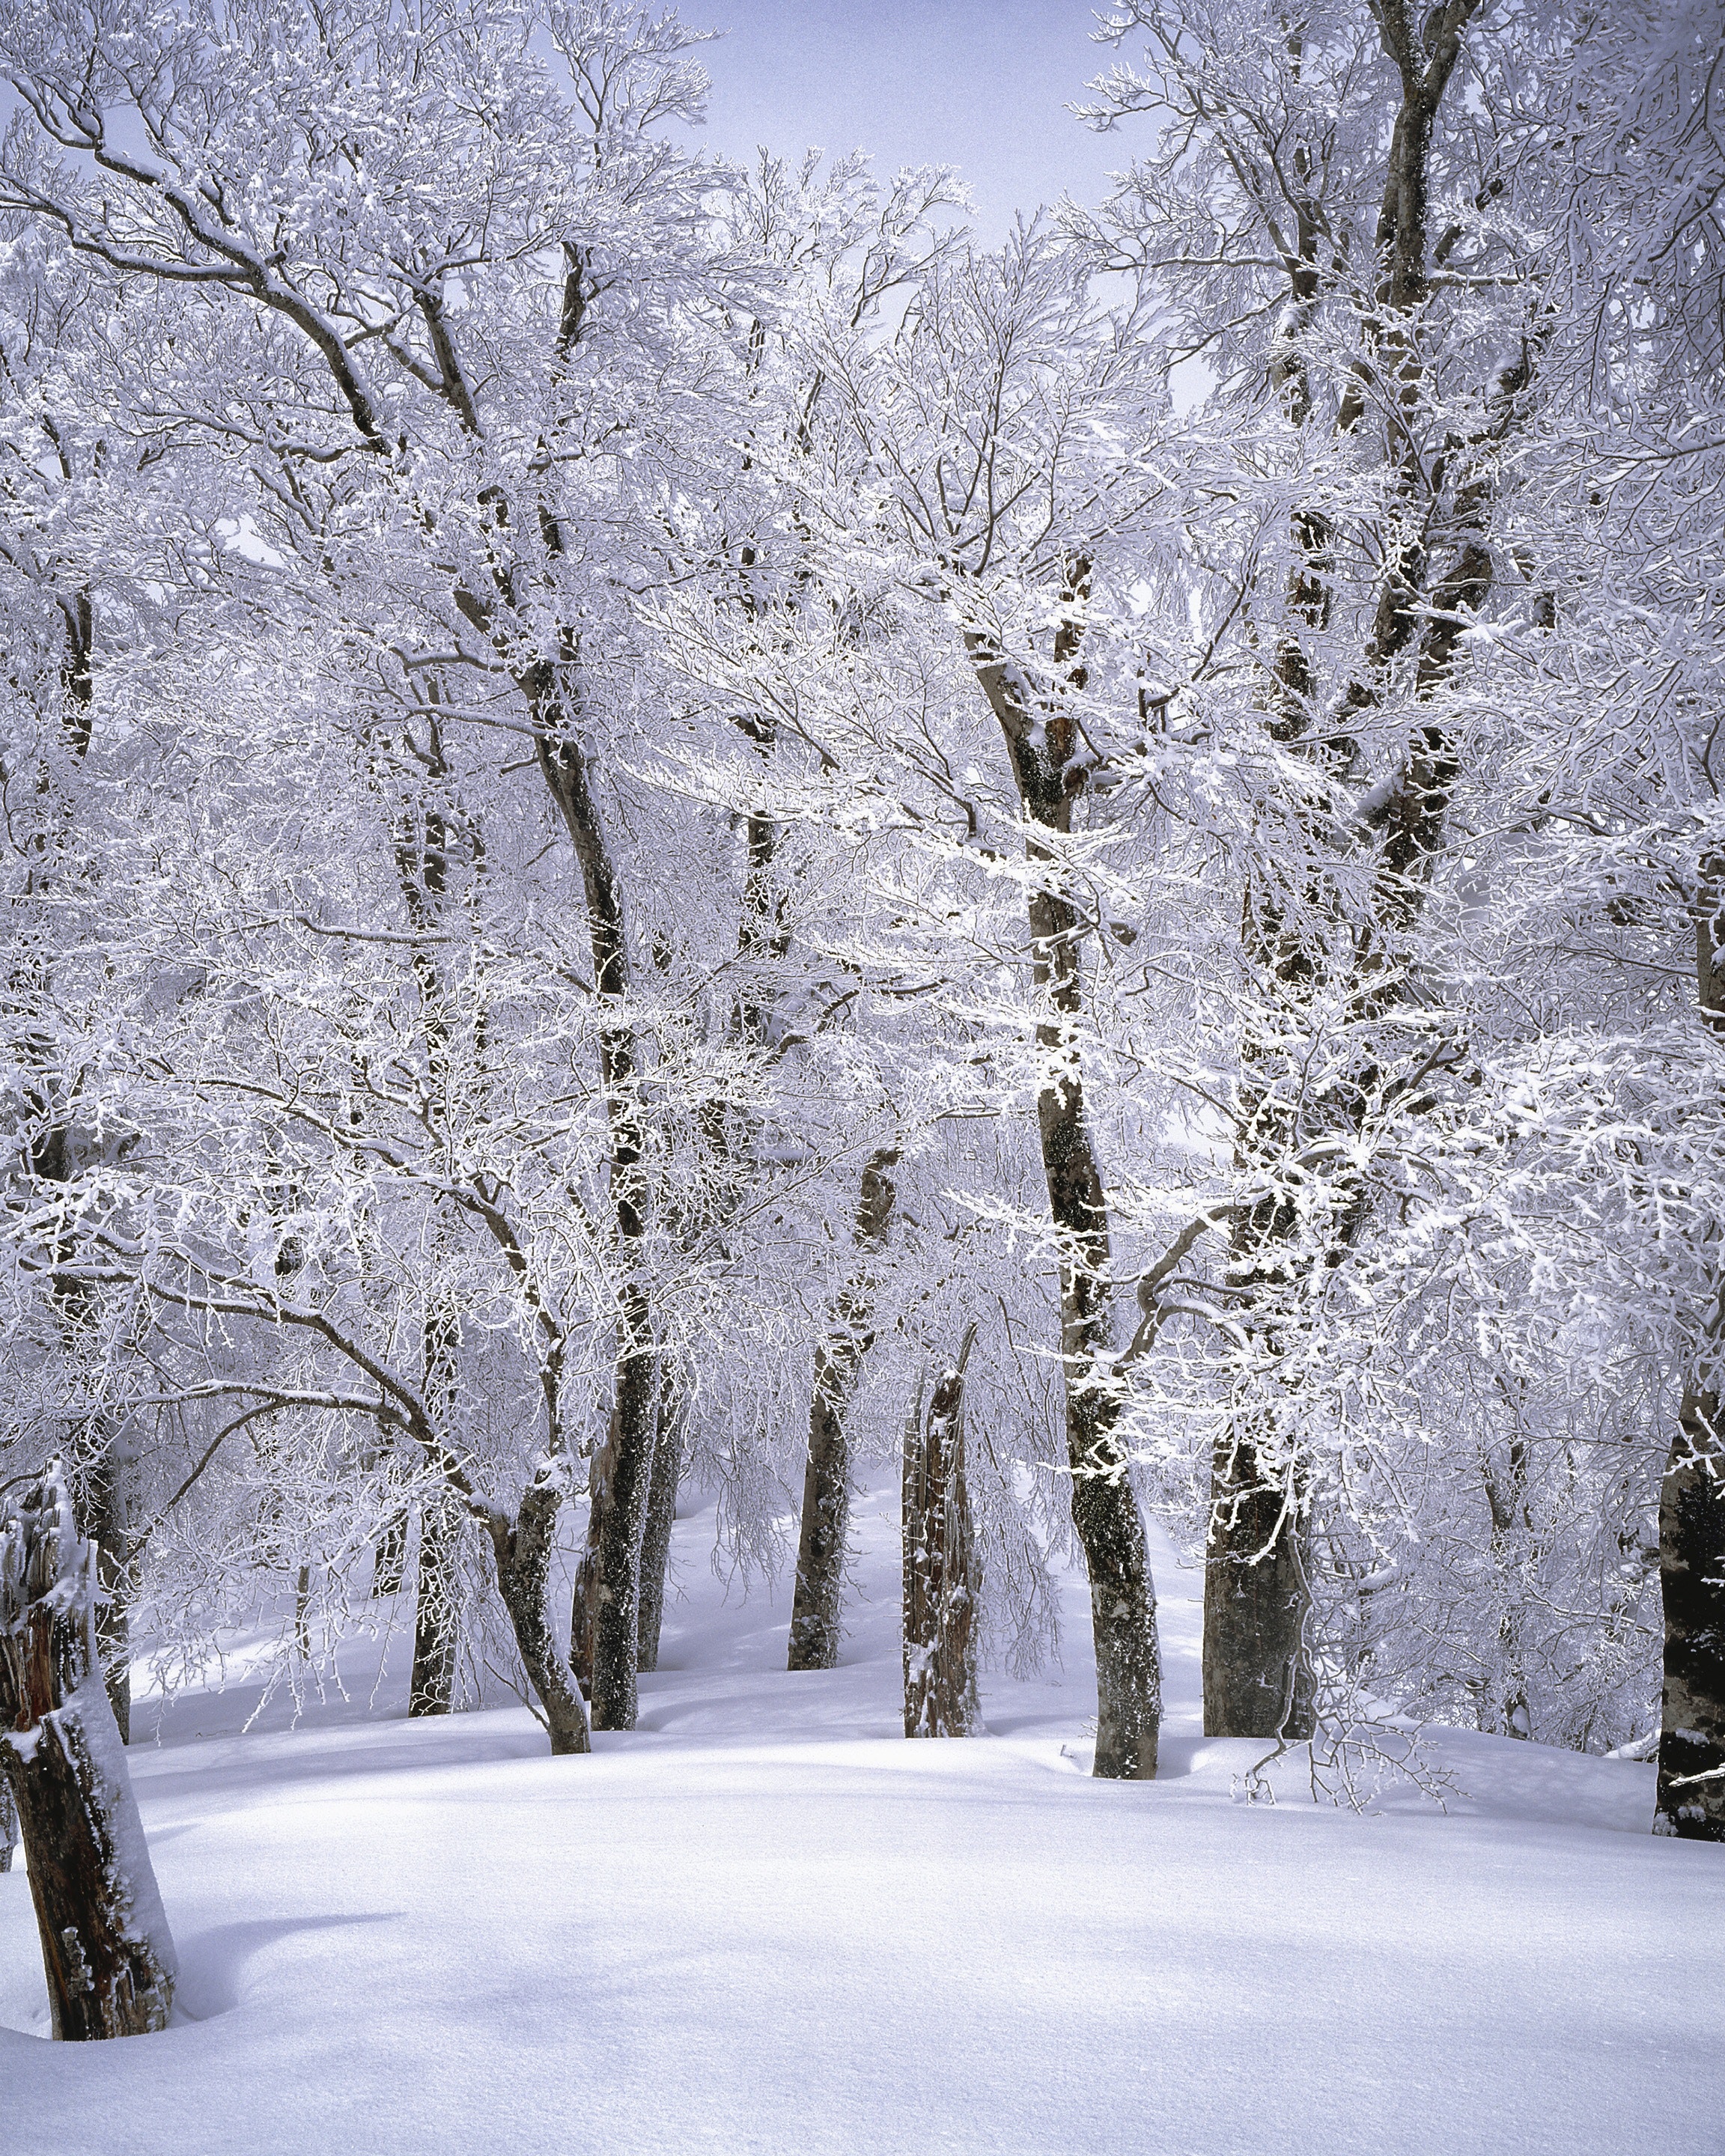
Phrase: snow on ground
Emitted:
{"points": [[764, 1922]]}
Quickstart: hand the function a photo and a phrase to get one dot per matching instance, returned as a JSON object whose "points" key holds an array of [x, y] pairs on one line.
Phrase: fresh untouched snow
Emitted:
{"points": [[764, 1922]]}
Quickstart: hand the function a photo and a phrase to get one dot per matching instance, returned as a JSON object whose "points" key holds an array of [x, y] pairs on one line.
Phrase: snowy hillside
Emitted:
{"points": [[766, 1923]]}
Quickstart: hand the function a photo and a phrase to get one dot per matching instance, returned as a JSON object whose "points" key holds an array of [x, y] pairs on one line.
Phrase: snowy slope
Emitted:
{"points": [[765, 1923]]}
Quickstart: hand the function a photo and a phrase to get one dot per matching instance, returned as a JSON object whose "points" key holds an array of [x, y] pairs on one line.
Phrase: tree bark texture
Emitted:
{"points": [[817, 1605], [1046, 750], [1257, 1668], [1691, 1799], [942, 1573], [431, 1689], [1690, 1802], [661, 1515], [107, 1950]]}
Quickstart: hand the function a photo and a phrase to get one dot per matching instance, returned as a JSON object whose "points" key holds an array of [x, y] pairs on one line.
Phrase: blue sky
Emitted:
{"points": [[961, 82]]}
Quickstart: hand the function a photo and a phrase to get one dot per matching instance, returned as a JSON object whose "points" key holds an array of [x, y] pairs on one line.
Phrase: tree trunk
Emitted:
{"points": [[817, 1602], [942, 1582], [661, 1515], [8, 1824], [1691, 1799], [1045, 749], [523, 1549], [107, 1950], [431, 1689], [620, 1505], [105, 1522], [1509, 1713], [1257, 1669], [389, 1567]]}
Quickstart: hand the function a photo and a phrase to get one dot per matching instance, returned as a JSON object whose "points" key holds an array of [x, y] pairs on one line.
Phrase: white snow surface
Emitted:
{"points": [[764, 1922]]}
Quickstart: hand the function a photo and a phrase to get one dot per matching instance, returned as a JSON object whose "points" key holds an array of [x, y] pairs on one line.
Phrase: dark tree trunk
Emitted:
{"points": [[661, 1515], [1257, 1668], [107, 1950], [431, 1689], [621, 1500], [1691, 1800], [1046, 753], [436, 1610], [942, 1579], [817, 1604], [584, 1607]]}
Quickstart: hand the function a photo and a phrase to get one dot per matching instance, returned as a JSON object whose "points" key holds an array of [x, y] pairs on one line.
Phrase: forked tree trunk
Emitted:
{"points": [[1691, 1799], [107, 1950], [817, 1605], [942, 1579], [524, 1549]]}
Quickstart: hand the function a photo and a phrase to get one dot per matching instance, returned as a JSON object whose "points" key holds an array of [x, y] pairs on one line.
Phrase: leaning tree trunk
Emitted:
{"points": [[524, 1549], [942, 1579], [107, 1950], [1046, 748], [1691, 1799], [816, 1605]]}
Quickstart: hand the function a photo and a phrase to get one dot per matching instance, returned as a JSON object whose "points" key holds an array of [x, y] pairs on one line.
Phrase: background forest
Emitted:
{"points": [[665, 828]]}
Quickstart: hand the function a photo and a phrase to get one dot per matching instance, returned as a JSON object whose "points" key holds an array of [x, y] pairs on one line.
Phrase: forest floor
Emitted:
{"points": [[764, 1922]]}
